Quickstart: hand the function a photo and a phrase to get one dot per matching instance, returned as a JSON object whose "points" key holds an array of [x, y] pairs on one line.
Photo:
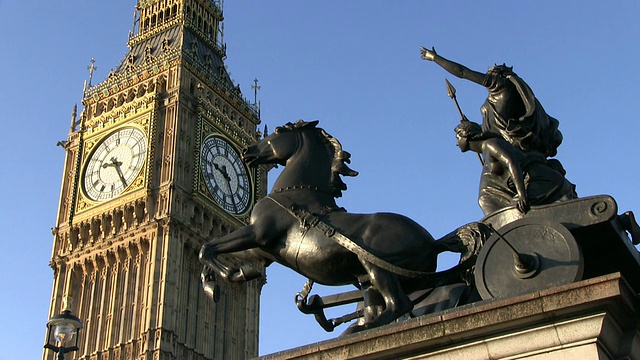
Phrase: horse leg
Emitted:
{"points": [[239, 240], [372, 306], [373, 303], [396, 302]]}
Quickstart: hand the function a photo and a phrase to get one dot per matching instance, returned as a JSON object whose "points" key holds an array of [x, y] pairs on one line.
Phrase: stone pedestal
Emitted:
{"points": [[598, 318]]}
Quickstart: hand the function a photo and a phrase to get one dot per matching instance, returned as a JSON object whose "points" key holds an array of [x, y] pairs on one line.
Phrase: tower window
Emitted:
{"points": [[99, 108]]}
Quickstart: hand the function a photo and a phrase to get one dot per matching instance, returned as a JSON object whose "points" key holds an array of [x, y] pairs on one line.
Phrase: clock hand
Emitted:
{"points": [[116, 164], [223, 170], [225, 175], [227, 178]]}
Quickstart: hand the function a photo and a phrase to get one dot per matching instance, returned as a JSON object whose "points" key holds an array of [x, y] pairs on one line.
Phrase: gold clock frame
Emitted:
{"points": [[142, 118]]}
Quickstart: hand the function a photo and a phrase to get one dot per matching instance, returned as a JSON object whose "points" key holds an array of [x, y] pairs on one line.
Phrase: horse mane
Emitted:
{"points": [[340, 157]]}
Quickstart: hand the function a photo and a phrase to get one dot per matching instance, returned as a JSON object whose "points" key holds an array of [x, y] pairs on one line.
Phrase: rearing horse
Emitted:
{"points": [[310, 181]]}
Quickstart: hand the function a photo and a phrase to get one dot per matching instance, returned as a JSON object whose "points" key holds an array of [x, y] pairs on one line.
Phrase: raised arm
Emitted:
{"points": [[454, 68]]}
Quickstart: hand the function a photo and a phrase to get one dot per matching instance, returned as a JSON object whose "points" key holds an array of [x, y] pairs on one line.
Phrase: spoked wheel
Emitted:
{"points": [[525, 256]]}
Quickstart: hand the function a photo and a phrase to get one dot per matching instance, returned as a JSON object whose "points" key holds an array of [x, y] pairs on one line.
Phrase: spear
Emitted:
{"points": [[451, 92]]}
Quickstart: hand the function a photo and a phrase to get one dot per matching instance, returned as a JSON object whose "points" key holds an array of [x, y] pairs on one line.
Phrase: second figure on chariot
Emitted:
{"points": [[516, 139]]}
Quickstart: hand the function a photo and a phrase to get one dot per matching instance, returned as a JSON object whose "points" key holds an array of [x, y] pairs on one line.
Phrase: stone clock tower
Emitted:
{"points": [[152, 171]]}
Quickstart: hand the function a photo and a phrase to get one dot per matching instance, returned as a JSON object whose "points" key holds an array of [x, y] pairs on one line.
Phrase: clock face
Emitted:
{"points": [[114, 164], [225, 175]]}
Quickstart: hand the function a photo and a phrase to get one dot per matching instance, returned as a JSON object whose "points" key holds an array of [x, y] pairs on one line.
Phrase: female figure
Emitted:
{"points": [[510, 176], [511, 109]]}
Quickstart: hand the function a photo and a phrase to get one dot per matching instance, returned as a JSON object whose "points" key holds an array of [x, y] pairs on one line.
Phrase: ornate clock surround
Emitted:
{"points": [[140, 115], [212, 122]]}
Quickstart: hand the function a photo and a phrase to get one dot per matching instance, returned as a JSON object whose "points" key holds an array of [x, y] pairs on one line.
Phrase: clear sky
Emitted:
{"points": [[353, 65]]}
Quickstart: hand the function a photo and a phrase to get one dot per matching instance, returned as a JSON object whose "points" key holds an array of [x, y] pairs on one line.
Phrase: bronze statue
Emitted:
{"points": [[300, 226], [510, 176], [388, 257], [516, 171], [511, 109]]}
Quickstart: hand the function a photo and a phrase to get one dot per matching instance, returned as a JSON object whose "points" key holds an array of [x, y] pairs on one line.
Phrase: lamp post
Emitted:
{"points": [[61, 329]]}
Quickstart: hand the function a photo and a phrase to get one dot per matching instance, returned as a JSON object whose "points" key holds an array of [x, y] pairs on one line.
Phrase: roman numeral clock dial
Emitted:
{"points": [[114, 164], [225, 175]]}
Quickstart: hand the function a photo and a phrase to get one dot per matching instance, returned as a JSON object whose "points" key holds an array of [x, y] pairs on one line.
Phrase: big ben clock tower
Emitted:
{"points": [[152, 171]]}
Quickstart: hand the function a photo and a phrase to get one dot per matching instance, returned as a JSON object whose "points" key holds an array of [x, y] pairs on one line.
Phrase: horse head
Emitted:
{"points": [[312, 156], [278, 147]]}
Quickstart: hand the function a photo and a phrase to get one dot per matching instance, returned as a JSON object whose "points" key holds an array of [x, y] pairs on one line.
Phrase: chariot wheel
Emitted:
{"points": [[525, 256]]}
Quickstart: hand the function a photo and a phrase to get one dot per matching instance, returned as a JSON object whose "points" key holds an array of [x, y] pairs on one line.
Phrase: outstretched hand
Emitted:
{"points": [[427, 54]]}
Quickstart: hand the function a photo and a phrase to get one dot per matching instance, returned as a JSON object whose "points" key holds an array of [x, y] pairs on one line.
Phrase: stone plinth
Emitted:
{"points": [[596, 318]]}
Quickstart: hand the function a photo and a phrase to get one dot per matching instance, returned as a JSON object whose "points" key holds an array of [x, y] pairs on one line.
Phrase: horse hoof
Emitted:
{"points": [[243, 274], [212, 290], [236, 276]]}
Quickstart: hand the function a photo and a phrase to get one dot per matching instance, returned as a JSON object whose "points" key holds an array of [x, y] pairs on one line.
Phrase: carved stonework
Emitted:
{"points": [[128, 351], [132, 251], [140, 211]]}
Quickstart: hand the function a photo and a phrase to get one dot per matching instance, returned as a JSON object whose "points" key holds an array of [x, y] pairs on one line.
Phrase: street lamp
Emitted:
{"points": [[60, 331]]}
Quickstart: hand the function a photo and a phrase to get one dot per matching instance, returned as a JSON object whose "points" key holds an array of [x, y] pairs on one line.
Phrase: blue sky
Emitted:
{"points": [[353, 65]]}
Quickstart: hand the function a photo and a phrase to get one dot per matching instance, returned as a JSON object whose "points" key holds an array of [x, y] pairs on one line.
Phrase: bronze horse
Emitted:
{"points": [[308, 184]]}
